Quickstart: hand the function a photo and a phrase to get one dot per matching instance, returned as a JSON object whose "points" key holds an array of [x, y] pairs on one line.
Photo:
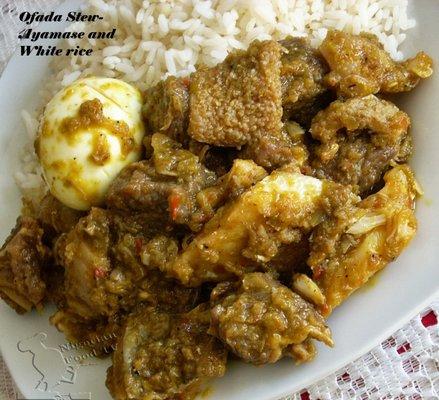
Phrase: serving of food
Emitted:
{"points": [[218, 212]]}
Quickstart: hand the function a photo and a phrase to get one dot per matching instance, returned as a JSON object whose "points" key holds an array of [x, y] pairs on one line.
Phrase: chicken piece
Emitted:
{"points": [[164, 188], [359, 139], [23, 258], [260, 318], [242, 176], [162, 356], [56, 217], [348, 250], [249, 231], [166, 108], [302, 73], [84, 254], [360, 66]]}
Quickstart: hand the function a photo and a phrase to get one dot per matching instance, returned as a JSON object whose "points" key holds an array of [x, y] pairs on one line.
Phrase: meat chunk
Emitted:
{"points": [[164, 188], [166, 108], [84, 254], [238, 99], [165, 356], [23, 258], [360, 66], [140, 187], [104, 274], [242, 176], [249, 231], [261, 319], [302, 73], [239, 103], [57, 217], [359, 139], [348, 250]]}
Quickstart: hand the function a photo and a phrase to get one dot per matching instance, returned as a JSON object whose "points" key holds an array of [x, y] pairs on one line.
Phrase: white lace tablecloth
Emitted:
{"points": [[404, 367]]}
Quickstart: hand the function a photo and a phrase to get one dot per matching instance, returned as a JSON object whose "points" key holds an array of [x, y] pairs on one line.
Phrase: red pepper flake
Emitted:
{"points": [[100, 272], [324, 309], [429, 319], [186, 81], [405, 347], [174, 203], [138, 243], [318, 272]]}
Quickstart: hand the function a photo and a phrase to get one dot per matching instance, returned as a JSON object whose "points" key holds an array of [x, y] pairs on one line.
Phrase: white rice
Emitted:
{"points": [[158, 38]]}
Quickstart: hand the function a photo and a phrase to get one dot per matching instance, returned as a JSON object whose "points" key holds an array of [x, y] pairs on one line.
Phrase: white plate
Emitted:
{"points": [[31, 347]]}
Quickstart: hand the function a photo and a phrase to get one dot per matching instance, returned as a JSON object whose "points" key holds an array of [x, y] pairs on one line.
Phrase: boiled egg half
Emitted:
{"points": [[89, 132]]}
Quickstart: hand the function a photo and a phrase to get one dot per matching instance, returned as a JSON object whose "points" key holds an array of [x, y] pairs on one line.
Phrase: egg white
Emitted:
{"points": [[73, 177]]}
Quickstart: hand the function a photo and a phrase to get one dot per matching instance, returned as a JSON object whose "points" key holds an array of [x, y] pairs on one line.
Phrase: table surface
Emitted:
{"points": [[403, 367]]}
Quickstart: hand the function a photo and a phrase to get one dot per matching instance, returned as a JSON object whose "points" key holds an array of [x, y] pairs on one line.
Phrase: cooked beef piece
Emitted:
{"points": [[139, 187], [259, 319], [302, 73], [190, 175], [53, 277], [166, 294], [23, 258], [57, 217], [216, 159], [347, 250], [166, 108], [164, 187], [136, 259], [359, 139], [270, 152], [289, 259], [358, 162], [238, 99], [165, 356], [247, 233], [360, 66], [239, 103], [289, 148]]}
